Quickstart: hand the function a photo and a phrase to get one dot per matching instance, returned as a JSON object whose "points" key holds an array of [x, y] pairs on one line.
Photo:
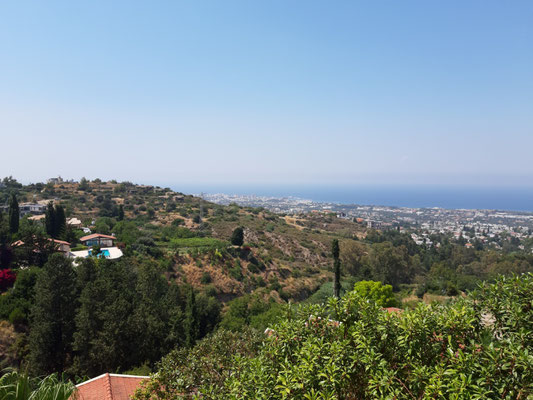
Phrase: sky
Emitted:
{"points": [[268, 92]]}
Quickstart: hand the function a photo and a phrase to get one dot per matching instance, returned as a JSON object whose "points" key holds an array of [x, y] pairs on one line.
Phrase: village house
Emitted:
{"points": [[74, 223], [27, 208], [59, 245], [62, 246], [106, 244], [98, 239], [37, 217]]}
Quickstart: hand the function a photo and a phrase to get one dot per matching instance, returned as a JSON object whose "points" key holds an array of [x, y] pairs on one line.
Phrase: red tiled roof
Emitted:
{"points": [[393, 309], [59, 241], [96, 235], [21, 243], [108, 387]]}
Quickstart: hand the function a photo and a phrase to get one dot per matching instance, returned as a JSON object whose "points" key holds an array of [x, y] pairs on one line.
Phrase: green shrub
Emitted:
{"points": [[377, 292], [17, 317], [208, 364], [478, 347], [206, 278], [236, 273], [254, 269]]}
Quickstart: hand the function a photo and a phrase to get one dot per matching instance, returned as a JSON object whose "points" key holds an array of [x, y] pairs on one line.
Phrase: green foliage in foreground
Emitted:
{"points": [[208, 365], [474, 348], [376, 291], [19, 386]]}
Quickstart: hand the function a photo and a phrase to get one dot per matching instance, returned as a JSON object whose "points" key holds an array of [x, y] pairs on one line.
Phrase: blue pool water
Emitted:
{"points": [[103, 253]]}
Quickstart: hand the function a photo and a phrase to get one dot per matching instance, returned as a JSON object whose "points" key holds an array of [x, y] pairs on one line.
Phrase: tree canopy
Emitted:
{"points": [[237, 237]]}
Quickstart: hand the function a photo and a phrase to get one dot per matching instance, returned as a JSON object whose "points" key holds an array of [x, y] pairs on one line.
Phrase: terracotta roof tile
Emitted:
{"points": [[108, 387], [59, 241], [393, 309], [96, 235]]}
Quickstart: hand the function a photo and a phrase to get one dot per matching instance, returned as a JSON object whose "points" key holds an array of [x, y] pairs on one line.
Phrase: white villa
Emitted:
{"points": [[106, 244], [98, 239]]}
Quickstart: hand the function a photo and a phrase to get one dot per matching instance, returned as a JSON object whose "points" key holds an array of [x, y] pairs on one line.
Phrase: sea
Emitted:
{"points": [[415, 196]]}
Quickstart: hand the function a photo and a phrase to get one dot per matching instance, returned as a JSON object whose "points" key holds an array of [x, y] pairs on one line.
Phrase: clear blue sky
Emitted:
{"points": [[273, 91]]}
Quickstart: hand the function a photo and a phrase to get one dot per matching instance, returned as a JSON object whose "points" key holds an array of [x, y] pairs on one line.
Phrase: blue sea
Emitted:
{"points": [[451, 197]]}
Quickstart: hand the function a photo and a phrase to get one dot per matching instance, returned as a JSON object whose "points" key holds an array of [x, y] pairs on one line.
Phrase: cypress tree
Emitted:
{"points": [[60, 221], [6, 253], [121, 213], [191, 319], [50, 219], [14, 214], [336, 268], [52, 326]]}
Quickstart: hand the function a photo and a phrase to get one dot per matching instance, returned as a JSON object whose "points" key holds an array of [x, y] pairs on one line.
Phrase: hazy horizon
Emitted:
{"points": [[268, 93], [459, 196]]}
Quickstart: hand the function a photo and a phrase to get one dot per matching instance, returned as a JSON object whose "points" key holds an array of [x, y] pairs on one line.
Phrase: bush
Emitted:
{"points": [[146, 245], [473, 348], [377, 292], [236, 273], [17, 317], [208, 364], [206, 278], [237, 237], [7, 279], [178, 222], [210, 291], [254, 269]]}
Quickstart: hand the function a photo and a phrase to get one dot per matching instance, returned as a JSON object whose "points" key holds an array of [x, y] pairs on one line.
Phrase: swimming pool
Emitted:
{"points": [[103, 253]]}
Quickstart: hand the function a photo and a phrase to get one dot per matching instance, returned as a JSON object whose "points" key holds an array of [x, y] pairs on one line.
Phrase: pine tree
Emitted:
{"points": [[52, 326], [174, 302], [14, 214], [336, 268], [86, 321], [106, 337], [86, 273], [151, 315]]}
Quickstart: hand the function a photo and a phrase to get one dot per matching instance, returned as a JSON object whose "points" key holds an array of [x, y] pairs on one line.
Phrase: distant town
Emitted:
{"points": [[490, 227]]}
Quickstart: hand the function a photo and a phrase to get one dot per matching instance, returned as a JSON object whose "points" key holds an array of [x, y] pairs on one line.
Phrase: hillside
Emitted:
{"points": [[283, 256], [291, 255], [185, 268]]}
